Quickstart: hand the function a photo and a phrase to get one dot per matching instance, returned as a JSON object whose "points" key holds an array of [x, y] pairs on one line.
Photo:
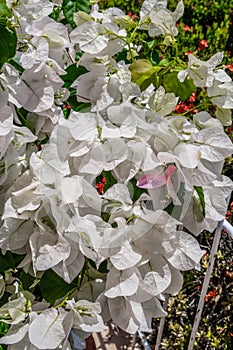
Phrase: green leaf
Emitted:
{"points": [[84, 107], [164, 62], [135, 192], [5, 298], [103, 268], [69, 7], [15, 63], [110, 180], [122, 56], [169, 209], [8, 36], [56, 13], [200, 193], [3, 328], [77, 106], [6, 262], [182, 90], [150, 44], [53, 287], [27, 280], [22, 115], [72, 73], [4, 10], [143, 73], [154, 57], [138, 68], [8, 44]]}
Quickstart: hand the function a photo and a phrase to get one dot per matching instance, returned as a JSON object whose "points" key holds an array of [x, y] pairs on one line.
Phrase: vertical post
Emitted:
{"points": [[161, 324], [205, 286]]}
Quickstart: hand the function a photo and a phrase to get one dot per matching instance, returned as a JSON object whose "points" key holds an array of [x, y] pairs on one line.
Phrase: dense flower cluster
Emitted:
{"points": [[51, 211]]}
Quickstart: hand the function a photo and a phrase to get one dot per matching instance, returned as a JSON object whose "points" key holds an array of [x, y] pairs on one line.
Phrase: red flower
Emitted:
{"points": [[202, 45], [130, 14], [187, 28], [230, 129], [229, 66], [100, 185], [192, 98], [211, 294], [183, 107], [188, 53], [229, 274]]}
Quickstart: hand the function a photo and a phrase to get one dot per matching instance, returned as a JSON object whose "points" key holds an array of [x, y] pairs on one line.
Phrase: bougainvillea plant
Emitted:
{"points": [[104, 185]]}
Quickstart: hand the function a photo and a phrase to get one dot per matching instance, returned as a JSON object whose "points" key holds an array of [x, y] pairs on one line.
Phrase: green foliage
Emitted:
{"points": [[73, 72], [204, 12], [110, 180], [7, 34], [172, 84], [69, 7], [210, 20], [4, 10], [6, 262], [27, 280], [4, 299], [143, 73], [126, 5], [216, 35], [3, 330], [200, 193], [56, 13], [53, 287]]}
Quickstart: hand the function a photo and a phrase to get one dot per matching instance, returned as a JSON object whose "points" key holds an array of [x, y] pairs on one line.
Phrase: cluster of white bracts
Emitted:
{"points": [[52, 211]]}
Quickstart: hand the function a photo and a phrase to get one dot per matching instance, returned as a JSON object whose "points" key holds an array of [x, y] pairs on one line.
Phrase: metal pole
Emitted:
{"points": [[228, 227], [144, 340], [161, 324], [205, 286]]}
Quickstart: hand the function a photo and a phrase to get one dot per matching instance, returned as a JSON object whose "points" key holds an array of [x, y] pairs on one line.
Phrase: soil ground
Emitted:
{"points": [[113, 339]]}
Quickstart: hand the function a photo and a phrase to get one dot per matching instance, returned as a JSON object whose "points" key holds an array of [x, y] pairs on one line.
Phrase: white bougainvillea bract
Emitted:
{"points": [[51, 212]]}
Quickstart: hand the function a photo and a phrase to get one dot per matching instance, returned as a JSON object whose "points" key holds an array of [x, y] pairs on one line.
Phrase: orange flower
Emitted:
{"points": [[100, 185], [211, 294], [188, 53], [187, 28], [202, 45], [130, 14], [229, 66]]}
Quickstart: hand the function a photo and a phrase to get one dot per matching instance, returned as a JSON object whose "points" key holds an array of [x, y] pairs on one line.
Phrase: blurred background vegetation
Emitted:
{"points": [[209, 20]]}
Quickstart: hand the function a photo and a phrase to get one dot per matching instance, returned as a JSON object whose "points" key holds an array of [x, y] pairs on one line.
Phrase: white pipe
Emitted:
{"points": [[144, 340], [228, 227], [205, 285], [161, 324]]}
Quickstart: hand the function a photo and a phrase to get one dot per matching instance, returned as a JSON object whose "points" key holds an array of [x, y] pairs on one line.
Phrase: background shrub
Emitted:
{"points": [[210, 20]]}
